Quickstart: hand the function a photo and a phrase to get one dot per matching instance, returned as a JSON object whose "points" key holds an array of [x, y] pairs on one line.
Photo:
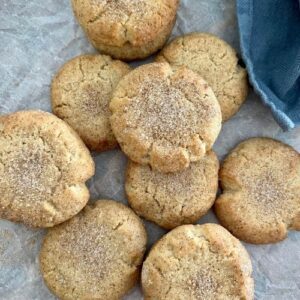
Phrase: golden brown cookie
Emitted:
{"points": [[81, 92], [165, 116], [43, 169], [216, 61], [261, 191], [95, 255], [173, 199], [127, 29], [198, 262]]}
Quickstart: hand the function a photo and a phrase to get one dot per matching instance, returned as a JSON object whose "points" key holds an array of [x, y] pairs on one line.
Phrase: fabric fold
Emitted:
{"points": [[270, 44]]}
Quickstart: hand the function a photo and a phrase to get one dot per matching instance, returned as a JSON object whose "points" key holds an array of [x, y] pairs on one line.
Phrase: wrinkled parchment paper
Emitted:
{"points": [[36, 38]]}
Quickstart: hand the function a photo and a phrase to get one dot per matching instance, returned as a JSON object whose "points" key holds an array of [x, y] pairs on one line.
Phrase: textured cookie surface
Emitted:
{"points": [[43, 169], [173, 199], [216, 62], [261, 191], [81, 92], [96, 254], [198, 262], [165, 116], [127, 29]]}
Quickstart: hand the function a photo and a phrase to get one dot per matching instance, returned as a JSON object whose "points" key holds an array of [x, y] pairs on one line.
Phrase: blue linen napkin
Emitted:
{"points": [[270, 44]]}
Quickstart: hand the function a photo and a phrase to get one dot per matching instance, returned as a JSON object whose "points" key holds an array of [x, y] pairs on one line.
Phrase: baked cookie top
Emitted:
{"points": [[165, 116], [173, 199], [216, 61], [81, 92], [261, 191], [43, 169], [126, 24], [198, 262], [96, 254]]}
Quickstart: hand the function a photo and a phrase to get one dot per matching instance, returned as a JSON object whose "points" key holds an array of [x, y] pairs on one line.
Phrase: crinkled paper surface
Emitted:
{"points": [[36, 38]]}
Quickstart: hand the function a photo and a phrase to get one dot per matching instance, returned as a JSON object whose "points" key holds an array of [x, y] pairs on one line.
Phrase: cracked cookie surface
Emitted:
{"points": [[198, 262], [261, 191], [127, 29], [95, 255], [43, 169], [165, 116], [216, 61], [173, 199], [81, 92]]}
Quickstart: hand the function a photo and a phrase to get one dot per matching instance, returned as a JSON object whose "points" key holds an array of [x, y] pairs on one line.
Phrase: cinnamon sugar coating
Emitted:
{"points": [[164, 116]]}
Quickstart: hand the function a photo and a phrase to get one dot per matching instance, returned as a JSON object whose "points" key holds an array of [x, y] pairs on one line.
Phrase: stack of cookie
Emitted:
{"points": [[166, 117]]}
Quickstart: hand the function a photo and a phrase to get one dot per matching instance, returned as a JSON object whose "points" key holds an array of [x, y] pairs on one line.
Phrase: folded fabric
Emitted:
{"points": [[270, 43]]}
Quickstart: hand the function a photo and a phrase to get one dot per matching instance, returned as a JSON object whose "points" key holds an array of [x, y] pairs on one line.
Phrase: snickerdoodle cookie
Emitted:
{"points": [[165, 116], [81, 92], [127, 29], [95, 255], [173, 199], [261, 191], [198, 262], [217, 62], [43, 169]]}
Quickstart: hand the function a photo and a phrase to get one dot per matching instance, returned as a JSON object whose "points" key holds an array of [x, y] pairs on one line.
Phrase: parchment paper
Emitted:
{"points": [[36, 38]]}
